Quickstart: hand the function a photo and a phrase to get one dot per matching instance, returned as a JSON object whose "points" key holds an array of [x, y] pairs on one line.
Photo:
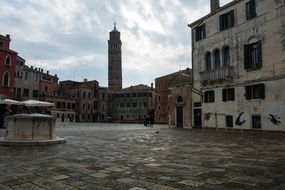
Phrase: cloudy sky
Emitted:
{"points": [[69, 37]]}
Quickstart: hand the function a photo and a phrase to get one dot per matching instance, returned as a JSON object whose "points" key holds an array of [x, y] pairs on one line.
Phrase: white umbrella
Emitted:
{"points": [[36, 103], [10, 102]]}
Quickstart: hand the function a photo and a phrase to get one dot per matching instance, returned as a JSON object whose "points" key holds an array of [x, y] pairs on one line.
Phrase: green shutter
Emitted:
{"points": [[246, 57], [221, 22], [232, 13], [224, 95], [262, 91], [252, 8], [248, 94], [259, 53]]}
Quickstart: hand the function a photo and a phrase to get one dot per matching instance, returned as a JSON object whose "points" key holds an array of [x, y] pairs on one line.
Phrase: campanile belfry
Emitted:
{"points": [[114, 60]]}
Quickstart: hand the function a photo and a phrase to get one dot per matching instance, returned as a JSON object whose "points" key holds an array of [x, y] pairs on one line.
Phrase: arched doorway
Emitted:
{"points": [[179, 112]]}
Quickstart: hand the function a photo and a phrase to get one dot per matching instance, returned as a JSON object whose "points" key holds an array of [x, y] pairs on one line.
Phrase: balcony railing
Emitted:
{"points": [[223, 73]]}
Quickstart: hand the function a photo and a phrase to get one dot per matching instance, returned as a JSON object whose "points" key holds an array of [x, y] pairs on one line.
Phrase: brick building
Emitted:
{"points": [[114, 61], [180, 101], [8, 59], [162, 85], [238, 66]]}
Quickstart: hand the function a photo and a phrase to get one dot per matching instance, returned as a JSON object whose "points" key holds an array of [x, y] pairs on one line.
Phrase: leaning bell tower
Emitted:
{"points": [[114, 60]]}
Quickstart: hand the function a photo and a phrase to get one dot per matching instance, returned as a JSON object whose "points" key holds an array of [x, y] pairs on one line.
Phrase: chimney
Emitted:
{"points": [[215, 4], [42, 70], [85, 80], [32, 67], [48, 72], [8, 36], [151, 85]]}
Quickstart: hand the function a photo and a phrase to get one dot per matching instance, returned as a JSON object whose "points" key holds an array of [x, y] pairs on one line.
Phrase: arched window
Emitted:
{"points": [[8, 60], [6, 79], [217, 58], [179, 99], [226, 56], [208, 61]]}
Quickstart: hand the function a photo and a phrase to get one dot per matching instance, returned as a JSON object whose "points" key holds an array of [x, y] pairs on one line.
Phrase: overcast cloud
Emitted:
{"points": [[69, 37]]}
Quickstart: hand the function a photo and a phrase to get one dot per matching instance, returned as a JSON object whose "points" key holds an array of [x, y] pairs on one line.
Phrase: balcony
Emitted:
{"points": [[223, 73]]}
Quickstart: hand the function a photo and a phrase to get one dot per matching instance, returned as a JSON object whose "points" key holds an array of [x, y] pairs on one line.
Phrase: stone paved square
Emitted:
{"points": [[130, 156]]}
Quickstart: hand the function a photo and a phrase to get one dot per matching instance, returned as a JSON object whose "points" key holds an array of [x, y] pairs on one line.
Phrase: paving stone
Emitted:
{"points": [[137, 188], [99, 175], [161, 187], [59, 177], [191, 183], [104, 156]]}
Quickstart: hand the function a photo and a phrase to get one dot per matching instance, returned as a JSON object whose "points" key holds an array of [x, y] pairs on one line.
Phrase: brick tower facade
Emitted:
{"points": [[114, 61]]}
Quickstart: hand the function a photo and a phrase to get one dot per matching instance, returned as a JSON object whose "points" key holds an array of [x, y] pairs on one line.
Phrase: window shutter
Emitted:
{"points": [[206, 97], [221, 22], [246, 57], [259, 53], [204, 31], [248, 92], [233, 92], [232, 13], [262, 91], [252, 8], [224, 95]]}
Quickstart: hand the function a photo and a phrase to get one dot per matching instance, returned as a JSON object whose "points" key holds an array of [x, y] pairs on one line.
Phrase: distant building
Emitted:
{"points": [[133, 104], [8, 59], [238, 66], [103, 104], [86, 94], [114, 61], [162, 85]]}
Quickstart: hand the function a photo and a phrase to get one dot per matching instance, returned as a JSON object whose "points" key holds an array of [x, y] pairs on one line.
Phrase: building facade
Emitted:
{"points": [[133, 104], [114, 61], [103, 104], [180, 101], [162, 85], [86, 94], [8, 59], [238, 66]]}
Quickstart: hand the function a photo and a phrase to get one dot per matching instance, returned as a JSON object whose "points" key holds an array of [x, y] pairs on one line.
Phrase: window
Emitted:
{"points": [[122, 105], [217, 58], [83, 116], [36, 77], [46, 88], [26, 75], [83, 107], [35, 94], [6, 79], [127, 95], [1, 44], [250, 9], [63, 105], [228, 94], [209, 96], [200, 32], [226, 56], [227, 20], [58, 104], [253, 56], [18, 92], [255, 91], [229, 121], [83, 94], [103, 96], [134, 95], [145, 104], [158, 98], [8, 60], [73, 106], [68, 105], [128, 105], [208, 61], [26, 92], [256, 121], [89, 95], [134, 104]]}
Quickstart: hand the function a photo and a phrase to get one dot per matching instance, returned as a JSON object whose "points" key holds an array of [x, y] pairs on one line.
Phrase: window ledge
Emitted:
{"points": [[253, 69]]}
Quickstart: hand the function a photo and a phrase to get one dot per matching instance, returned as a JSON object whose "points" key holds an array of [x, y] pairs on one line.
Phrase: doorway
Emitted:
{"points": [[198, 118], [179, 116]]}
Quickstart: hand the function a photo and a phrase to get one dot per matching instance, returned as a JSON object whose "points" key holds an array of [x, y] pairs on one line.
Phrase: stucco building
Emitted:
{"points": [[86, 94], [103, 104], [238, 66], [8, 59], [133, 104]]}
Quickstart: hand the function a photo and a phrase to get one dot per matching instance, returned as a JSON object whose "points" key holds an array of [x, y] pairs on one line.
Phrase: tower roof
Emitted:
{"points": [[115, 29]]}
